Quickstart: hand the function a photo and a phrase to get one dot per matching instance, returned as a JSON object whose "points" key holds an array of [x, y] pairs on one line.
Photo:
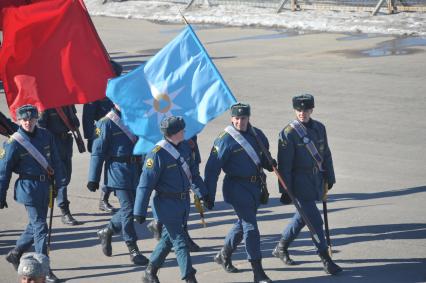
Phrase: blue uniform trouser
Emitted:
{"points": [[36, 231], [293, 229], [246, 227], [173, 235], [106, 189], [62, 198], [122, 221]]}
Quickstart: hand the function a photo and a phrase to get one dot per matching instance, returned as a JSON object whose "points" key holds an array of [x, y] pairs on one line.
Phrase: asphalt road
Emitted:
{"points": [[373, 107]]}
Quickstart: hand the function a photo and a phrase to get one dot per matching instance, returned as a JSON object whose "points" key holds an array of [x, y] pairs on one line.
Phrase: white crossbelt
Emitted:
{"points": [[309, 144], [32, 150], [176, 155], [117, 120], [244, 143]]}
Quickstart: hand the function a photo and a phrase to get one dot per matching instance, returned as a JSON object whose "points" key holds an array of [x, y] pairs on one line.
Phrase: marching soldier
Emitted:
{"points": [[113, 146], [238, 154], [304, 161], [92, 112], [31, 152], [60, 121], [7, 127], [171, 171], [156, 226]]}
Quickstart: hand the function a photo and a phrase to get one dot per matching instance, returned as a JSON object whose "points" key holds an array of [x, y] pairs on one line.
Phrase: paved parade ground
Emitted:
{"points": [[374, 110]]}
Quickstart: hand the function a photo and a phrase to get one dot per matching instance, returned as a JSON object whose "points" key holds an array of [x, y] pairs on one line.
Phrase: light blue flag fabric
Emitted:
{"points": [[180, 80]]}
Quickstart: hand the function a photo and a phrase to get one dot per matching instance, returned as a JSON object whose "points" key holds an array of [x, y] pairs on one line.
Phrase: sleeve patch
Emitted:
{"points": [[149, 163], [98, 132], [215, 149]]}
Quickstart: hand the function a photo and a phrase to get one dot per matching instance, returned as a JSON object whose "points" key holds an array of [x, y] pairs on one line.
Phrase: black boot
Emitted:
{"points": [[150, 274], [67, 217], [14, 256], [191, 279], [329, 266], [193, 247], [51, 278], [223, 258], [259, 273], [104, 204], [105, 235], [135, 255], [156, 228], [281, 252]]}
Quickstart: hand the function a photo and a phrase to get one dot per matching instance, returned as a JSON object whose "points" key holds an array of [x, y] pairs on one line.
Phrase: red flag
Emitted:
{"points": [[8, 3], [52, 56]]}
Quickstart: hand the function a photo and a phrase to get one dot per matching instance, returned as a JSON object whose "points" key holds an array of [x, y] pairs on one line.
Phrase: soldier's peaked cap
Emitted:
{"points": [[240, 109], [172, 125], [303, 102], [27, 111]]}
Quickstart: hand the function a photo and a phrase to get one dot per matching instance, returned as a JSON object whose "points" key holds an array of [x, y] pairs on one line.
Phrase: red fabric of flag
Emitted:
{"points": [[52, 56]]}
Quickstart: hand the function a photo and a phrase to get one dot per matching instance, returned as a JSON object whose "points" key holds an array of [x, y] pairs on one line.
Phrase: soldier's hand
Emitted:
{"points": [[3, 204], [285, 199], [208, 202], [139, 219], [92, 186], [89, 145]]}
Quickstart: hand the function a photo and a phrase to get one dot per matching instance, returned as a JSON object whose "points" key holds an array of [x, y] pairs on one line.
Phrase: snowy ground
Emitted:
{"points": [[404, 23]]}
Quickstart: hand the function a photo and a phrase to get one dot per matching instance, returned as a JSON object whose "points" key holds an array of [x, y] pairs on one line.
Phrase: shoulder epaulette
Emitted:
{"points": [[288, 129], [223, 134], [156, 148]]}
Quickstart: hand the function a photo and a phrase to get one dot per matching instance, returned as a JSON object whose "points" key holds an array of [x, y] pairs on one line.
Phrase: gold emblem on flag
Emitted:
{"points": [[2, 153], [98, 132]]}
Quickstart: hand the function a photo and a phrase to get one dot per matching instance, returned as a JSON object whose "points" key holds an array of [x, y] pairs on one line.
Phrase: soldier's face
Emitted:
{"points": [[303, 115], [240, 123], [28, 124], [178, 137]]}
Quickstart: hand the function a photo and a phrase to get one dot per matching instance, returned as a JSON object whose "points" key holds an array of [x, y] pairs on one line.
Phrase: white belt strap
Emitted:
{"points": [[244, 143], [309, 144], [176, 155], [31, 150], [117, 120]]}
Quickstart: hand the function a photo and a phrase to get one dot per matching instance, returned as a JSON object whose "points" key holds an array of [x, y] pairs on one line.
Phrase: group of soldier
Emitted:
{"points": [[39, 150]]}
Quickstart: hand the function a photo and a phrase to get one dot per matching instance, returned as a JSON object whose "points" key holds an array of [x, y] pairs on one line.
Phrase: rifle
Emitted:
{"points": [[268, 156], [74, 130], [51, 206], [324, 209]]}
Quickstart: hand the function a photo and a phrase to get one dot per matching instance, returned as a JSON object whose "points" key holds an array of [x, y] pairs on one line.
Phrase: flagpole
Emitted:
{"points": [[183, 17]]}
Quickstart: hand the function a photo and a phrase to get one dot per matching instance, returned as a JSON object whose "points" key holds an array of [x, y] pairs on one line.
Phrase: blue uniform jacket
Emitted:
{"points": [[93, 112], [228, 154], [15, 158], [163, 173], [50, 120], [297, 165], [7, 127], [110, 141]]}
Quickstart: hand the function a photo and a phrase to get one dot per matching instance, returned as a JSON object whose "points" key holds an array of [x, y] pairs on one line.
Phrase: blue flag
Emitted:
{"points": [[180, 80]]}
